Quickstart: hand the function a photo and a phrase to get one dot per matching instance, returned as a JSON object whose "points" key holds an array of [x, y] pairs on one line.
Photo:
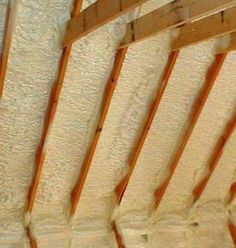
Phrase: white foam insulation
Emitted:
{"points": [[32, 68]]}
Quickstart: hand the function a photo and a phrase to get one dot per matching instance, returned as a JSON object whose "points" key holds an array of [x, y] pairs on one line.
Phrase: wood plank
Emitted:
{"points": [[171, 16], [210, 27], [7, 38], [191, 123], [107, 97], [118, 237], [96, 15], [215, 157], [49, 117], [121, 187]]}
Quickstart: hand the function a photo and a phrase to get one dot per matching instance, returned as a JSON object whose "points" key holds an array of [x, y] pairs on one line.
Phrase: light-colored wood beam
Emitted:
{"points": [[192, 120], [49, 117], [121, 187], [118, 237], [107, 96], [7, 38], [171, 16], [209, 27], [215, 157], [96, 15]]}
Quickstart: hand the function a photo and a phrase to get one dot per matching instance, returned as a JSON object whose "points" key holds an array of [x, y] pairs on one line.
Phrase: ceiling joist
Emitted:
{"points": [[121, 187], [96, 15], [170, 16], [191, 123], [7, 38], [209, 27], [49, 117], [215, 157], [107, 97]]}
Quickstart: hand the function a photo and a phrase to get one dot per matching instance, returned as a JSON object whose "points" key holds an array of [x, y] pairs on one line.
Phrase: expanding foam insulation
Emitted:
{"points": [[32, 69]]}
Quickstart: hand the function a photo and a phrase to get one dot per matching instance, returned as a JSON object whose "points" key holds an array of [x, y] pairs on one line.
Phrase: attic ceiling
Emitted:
{"points": [[117, 126]]}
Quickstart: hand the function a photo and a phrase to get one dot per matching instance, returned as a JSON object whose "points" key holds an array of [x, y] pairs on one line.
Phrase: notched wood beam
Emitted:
{"points": [[96, 15], [107, 97], [7, 38], [191, 123], [121, 187], [170, 16]]}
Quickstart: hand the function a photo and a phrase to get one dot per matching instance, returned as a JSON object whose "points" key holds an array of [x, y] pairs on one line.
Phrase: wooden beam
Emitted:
{"points": [[171, 16], [215, 157], [209, 27], [49, 117], [7, 38], [32, 240], [232, 230], [108, 93], [121, 187], [118, 237], [192, 120], [96, 15]]}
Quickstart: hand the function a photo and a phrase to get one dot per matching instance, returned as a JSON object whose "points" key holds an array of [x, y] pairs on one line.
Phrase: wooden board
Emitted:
{"points": [[96, 15]]}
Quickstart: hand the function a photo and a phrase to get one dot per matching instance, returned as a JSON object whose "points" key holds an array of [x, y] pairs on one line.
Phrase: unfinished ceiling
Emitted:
{"points": [[109, 143]]}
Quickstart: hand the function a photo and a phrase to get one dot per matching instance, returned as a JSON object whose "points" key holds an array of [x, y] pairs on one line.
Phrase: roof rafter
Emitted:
{"points": [[121, 187], [171, 16], [215, 157], [96, 15], [107, 97], [231, 225], [192, 120], [209, 27], [9, 28], [48, 120], [118, 237], [49, 117]]}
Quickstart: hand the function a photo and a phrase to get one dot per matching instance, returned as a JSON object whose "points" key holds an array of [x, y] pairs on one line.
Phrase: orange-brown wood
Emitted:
{"points": [[118, 237], [7, 38], [121, 187], [97, 14], [215, 157], [232, 193], [232, 230], [108, 93], [32, 240], [192, 120], [49, 117]]}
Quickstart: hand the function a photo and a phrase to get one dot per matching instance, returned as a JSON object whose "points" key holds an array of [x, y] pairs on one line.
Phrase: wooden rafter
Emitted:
{"points": [[96, 15], [232, 230], [231, 225], [108, 93], [7, 38], [215, 157], [118, 237], [192, 120], [171, 16], [209, 27], [121, 187], [49, 117]]}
